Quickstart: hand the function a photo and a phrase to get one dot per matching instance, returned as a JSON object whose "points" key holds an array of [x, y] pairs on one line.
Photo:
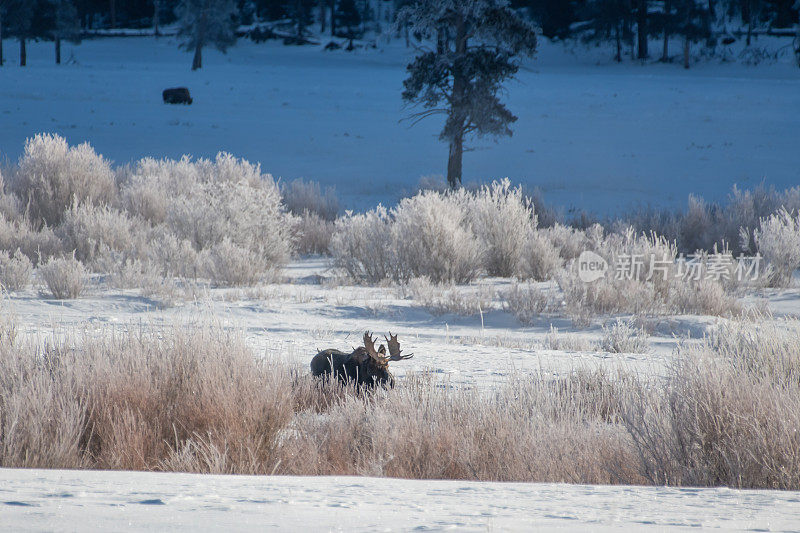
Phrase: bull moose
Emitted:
{"points": [[177, 95], [363, 366]]}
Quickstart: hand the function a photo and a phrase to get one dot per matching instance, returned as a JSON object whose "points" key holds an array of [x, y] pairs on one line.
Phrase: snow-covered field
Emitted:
{"points": [[42, 500], [590, 134]]}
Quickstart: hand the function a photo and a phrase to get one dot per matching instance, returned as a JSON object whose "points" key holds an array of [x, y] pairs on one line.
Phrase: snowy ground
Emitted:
{"points": [[42, 500], [597, 136]]}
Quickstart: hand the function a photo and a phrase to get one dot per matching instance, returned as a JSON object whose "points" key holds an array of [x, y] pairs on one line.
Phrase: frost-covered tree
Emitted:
{"points": [[692, 22], [477, 43], [206, 22]]}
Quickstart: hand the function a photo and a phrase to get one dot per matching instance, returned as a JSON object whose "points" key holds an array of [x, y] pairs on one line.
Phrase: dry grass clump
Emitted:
{"points": [[729, 413], [567, 342], [624, 337], [15, 270], [526, 302], [65, 277], [440, 299]]}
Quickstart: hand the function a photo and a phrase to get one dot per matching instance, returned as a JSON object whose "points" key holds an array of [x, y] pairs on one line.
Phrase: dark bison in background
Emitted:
{"points": [[364, 366], [177, 95]]}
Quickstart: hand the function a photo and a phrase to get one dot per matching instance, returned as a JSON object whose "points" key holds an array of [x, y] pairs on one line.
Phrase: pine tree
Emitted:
{"points": [[477, 44], [691, 21], [302, 15], [610, 20], [348, 19], [2, 12], [19, 14], [206, 22], [64, 24]]}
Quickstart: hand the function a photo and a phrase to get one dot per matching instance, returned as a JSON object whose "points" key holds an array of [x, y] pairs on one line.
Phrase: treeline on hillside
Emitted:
{"points": [[630, 25]]}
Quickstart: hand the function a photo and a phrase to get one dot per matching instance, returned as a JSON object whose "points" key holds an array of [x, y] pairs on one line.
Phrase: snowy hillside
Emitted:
{"points": [[590, 134]]}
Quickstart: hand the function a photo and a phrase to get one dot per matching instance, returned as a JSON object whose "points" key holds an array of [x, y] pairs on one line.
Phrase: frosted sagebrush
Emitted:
{"points": [[624, 337], [51, 175], [501, 218], [15, 270], [778, 240], [65, 278], [301, 197], [526, 302]]}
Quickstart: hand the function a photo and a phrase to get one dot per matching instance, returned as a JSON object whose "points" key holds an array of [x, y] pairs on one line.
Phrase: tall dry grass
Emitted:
{"points": [[194, 398]]}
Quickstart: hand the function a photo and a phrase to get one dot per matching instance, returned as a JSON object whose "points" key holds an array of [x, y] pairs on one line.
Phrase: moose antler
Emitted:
{"points": [[369, 344], [394, 348]]}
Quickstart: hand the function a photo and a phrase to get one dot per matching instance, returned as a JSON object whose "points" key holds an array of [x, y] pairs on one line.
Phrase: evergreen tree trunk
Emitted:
{"points": [[23, 53], [667, 10], [457, 102], [58, 50], [332, 5], [112, 6], [408, 39], [641, 28], [197, 62], [454, 161], [686, 53], [618, 38], [322, 19], [1, 37], [156, 17]]}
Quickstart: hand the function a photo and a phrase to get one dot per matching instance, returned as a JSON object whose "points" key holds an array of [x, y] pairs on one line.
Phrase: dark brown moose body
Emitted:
{"points": [[363, 366]]}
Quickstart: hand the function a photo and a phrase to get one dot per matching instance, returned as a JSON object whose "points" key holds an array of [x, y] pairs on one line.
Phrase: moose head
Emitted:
{"points": [[365, 365]]}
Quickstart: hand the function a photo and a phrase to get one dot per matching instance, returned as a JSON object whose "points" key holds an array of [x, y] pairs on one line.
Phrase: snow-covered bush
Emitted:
{"points": [[301, 197], [174, 256], [525, 302], [15, 270], [312, 234], [624, 337], [229, 264], [363, 246], [778, 241], [433, 237], [569, 242], [64, 277], [93, 231], [541, 259], [702, 297], [19, 235], [502, 219], [567, 342], [208, 202], [51, 175]]}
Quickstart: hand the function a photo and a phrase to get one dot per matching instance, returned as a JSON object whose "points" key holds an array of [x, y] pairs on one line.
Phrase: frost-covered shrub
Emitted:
{"points": [[301, 197], [567, 342], [624, 337], [540, 257], [569, 242], [174, 256], [19, 235], [15, 270], [525, 302], [312, 234], [440, 299], [501, 218], [51, 175], [778, 241], [92, 231], [208, 202], [363, 246], [229, 264], [433, 237], [64, 277]]}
